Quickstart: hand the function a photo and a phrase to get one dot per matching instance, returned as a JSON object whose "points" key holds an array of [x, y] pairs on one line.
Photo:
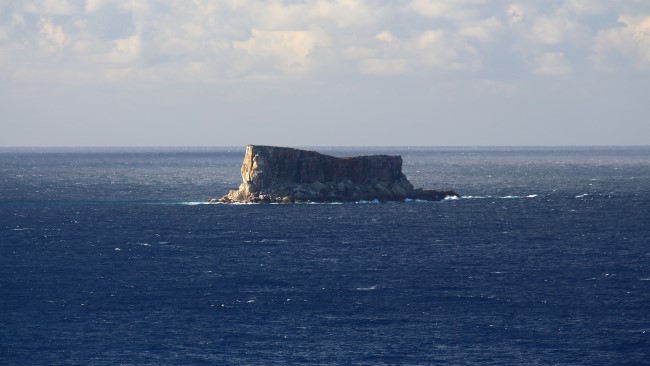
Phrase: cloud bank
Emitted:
{"points": [[324, 72], [105, 41]]}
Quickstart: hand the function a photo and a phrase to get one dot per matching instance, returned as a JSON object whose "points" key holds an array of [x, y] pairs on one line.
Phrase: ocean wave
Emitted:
{"points": [[369, 288], [517, 197], [475, 197], [508, 197], [364, 202]]}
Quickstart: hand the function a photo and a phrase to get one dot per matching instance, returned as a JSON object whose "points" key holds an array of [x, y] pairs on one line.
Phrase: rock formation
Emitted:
{"points": [[285, 175]]}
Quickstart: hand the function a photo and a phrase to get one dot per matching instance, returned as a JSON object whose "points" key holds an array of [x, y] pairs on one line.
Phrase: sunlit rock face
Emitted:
{"points": [[285, 175]]}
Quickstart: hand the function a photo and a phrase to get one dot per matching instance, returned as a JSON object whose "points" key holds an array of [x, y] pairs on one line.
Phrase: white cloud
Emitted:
{"points": [[465, 17], [13, 22], [17, 20], [552, 63], [385, 36], [544, 33], [585, 7], [93, 5], [632, 38], [516, 14], [432, 43], [344, 13], [428, 51], [383, 67], [279, 15], [561, 24], [125, 50], [54, 34], [289, 51], [445, 9], [51, 7], [484, 30], [234, 39], [443, 51], [554, 30]]}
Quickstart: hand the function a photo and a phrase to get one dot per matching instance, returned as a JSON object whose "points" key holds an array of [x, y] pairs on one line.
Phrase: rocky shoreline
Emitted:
{"points": [[285, 175]]}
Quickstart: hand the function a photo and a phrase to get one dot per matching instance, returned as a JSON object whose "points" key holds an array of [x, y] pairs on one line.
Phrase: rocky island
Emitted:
{"points": [[285, 175]]}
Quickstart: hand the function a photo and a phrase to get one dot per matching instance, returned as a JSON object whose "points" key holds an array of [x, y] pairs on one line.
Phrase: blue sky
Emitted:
{"points": [[324, 72]]}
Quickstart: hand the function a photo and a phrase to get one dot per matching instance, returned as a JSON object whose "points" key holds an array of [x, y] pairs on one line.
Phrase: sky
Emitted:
{"points": [[324, 72]]}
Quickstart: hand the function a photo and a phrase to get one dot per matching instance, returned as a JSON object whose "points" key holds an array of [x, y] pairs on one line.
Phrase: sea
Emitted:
{"points": [[111, 256]]}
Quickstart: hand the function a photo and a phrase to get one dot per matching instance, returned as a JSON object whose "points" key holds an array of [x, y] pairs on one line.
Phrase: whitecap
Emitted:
{"points": [[265, 240], [475, 197], [448, 198], [531, 196], [582, 195], [410, 200], [370, 288], [196, 203]]}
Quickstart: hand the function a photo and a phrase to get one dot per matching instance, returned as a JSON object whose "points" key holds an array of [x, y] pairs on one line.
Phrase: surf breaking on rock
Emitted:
{"points": [[273, 174]]}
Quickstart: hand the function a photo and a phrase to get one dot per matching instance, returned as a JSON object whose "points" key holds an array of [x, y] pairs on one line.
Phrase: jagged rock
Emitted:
{"points": [[285, 175]]}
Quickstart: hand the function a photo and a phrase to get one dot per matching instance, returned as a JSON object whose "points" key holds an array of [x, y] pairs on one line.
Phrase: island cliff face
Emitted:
{"points": [[285, 175]]}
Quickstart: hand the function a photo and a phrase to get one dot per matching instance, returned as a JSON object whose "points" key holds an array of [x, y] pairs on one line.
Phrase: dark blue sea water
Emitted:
{"points": [[107, 258]]}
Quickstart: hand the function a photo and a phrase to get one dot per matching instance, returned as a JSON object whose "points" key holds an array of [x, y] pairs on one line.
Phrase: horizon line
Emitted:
{"points": [[312, 146]]}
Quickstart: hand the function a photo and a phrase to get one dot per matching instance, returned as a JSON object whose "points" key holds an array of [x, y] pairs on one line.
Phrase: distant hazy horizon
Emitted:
{"points": [[325, 148], [324, 73]]}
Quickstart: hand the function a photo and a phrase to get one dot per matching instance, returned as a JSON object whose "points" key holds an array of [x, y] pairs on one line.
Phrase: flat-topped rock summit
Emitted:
{"points": [[285, 175]]}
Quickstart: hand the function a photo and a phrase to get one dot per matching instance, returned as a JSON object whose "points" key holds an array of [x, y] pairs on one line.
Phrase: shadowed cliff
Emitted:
{"points": [[285, 175]]}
